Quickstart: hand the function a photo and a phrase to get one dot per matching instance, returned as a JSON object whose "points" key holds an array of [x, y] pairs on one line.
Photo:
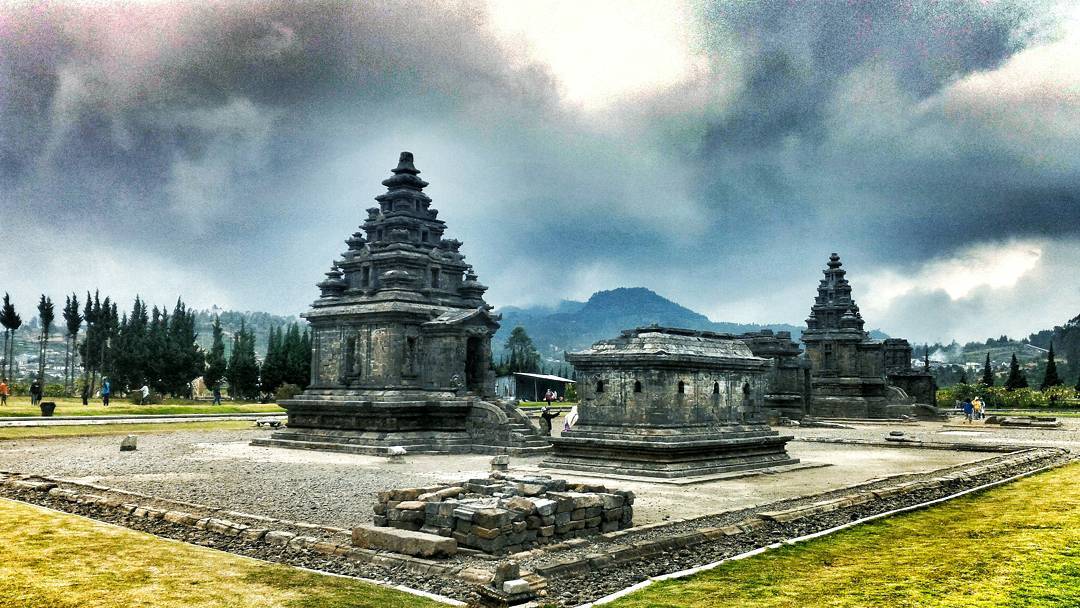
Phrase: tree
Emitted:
{"points": [[274, 364], [297, 349], [46, 315], [988, 374], [73, 319], [1051, 377], [1016, 379], [523, 354], [963, 376], [11, 322], [243, 371], [187, 361], [216, 365]]}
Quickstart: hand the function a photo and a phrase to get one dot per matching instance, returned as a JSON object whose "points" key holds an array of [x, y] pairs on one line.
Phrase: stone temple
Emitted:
{"points": [[402, 343], [853, 376], [662, 402]]}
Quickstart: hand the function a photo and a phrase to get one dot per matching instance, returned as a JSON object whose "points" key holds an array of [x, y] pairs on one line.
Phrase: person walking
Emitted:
{"points": [[106, 392], [549, 397], [86, 394], [969, 411], [35, 392], [5, 390], [217, 395], [978, 407], [145, 390]]}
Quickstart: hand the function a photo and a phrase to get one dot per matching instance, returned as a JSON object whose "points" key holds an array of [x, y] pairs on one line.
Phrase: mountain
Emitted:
{"points": [[571, 325]]}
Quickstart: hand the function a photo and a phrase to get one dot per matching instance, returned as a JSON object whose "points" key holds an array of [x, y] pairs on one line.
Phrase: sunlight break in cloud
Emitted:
{"points": [[992, 266], [602, 51]]}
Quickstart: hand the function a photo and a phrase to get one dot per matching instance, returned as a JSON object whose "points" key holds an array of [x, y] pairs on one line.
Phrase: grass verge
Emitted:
{"points": [[86, 430], [20, 406], [62, 561], [1017, 545]]}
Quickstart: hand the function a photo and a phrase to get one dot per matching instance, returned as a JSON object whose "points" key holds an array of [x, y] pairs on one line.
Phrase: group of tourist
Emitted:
{"points": [[974, 409]]}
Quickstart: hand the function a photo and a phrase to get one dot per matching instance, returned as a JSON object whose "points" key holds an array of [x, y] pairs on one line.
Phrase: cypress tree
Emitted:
{"points": [[1051, 378], [11, 322], [1016, 379], [296, 372], [988, 374], [273, 367], [243, 370], [215, 362], [523, 354], [46, 314], [963, 376], [73, 319]]}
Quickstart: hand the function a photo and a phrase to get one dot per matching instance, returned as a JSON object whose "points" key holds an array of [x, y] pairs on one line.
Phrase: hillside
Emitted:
{"points": [[571, 325]]}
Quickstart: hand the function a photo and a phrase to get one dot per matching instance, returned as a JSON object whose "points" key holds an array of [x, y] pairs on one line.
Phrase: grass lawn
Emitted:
{"points": [[20, 406], [1057, 413], [63, 561], [544, 403], [83, 430], [1017, 545]]}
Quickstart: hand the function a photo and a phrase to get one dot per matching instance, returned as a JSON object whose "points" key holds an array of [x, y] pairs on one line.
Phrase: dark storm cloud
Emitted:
{"points": [[807, 66], [233, 145]]}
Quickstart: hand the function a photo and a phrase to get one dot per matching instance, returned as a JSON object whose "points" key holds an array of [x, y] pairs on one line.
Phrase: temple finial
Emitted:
{"points": [[834, 260], [405, 164]]}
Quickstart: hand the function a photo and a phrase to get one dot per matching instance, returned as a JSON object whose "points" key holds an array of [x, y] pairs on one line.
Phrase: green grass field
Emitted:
{"points": [[20, 406], [63, 561], [87, 430], [1014, 546]]}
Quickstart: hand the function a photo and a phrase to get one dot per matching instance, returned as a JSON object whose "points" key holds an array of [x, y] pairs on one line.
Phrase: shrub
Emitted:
{"points": [[286, 391]]}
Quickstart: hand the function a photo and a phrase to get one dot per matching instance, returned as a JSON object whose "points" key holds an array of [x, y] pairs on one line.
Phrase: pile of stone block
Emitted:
{"points": [[507, 514]]}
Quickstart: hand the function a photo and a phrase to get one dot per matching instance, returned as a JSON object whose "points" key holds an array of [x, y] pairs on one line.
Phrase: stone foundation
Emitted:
{"points": [[503, 514], [671, 457]]}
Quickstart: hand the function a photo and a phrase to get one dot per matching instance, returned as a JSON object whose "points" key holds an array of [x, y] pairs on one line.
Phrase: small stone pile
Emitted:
{"points": [[507, 514]]}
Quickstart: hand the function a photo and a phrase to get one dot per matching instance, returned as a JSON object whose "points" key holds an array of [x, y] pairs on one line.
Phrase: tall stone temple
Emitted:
{"points": [[402, 343], [853, 376]]}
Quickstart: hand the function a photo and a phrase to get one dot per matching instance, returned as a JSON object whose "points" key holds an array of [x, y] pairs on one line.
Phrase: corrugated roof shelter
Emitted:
{"points": [[530, 387]]}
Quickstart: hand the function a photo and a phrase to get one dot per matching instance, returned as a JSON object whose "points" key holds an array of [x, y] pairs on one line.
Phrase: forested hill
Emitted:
{"points": [[571, 325], [259, 322]]}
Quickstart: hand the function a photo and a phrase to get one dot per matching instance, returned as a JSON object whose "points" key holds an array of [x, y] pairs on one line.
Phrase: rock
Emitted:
{"points": [[395, 454], [128, 443], [896, 433], [500, 463], [406, 542], [278, 537]]}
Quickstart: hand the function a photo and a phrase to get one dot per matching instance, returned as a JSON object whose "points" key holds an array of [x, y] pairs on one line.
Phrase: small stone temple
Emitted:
{"points": [[851, 375], [787, 390], [402, 342], [663, 402]]}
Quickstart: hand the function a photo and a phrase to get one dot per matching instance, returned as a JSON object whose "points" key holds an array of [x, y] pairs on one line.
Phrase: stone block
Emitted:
{"points": [[577, 514], [613, 514], [593, 522], [129, 443], [609, 526], [491, 518], [544, 506], [486, 533], [517, 586], [520, 505], [612, 501], [519, 527], [379, 508], [278, 537], [411, 505], [417, 544], [254, 534], [561, 519], [547, 530], [593, 512], [379, 520]]}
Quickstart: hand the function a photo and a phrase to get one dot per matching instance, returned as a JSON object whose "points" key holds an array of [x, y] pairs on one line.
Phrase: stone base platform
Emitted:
{"points": [[668, 457], [449, 426]]}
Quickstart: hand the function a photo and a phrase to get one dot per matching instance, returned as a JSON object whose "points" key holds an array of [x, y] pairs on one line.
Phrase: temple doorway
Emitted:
{"points": [[474, 365]]}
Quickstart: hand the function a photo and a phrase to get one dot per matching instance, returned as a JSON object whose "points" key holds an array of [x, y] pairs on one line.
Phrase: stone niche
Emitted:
{"points": [[663, 402], [402, 343]]}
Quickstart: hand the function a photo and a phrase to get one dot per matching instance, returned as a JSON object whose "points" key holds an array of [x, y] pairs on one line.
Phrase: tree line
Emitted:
{"points": [[158, 348]]}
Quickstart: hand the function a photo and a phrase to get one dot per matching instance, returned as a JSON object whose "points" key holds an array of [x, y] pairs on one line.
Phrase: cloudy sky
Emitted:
{"points": [[714, 151]]}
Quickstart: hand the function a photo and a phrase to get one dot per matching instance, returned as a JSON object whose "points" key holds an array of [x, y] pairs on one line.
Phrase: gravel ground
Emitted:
{"points": [[219, 469]]}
